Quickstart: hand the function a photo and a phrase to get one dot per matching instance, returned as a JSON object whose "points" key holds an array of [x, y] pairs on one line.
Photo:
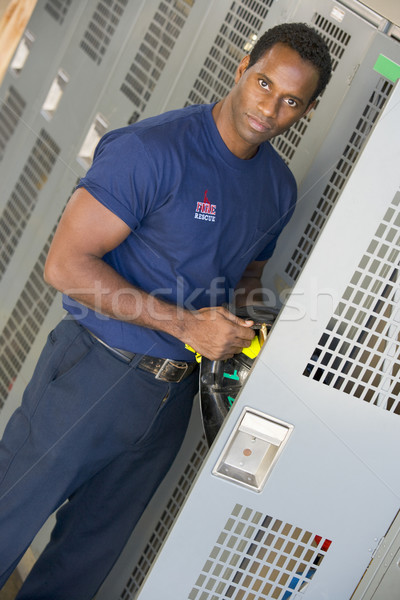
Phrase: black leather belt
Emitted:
{"points": [[165, 369]]}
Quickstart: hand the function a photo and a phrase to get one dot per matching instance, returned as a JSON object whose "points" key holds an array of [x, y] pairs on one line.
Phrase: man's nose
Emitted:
{"points": [[268, 106]]}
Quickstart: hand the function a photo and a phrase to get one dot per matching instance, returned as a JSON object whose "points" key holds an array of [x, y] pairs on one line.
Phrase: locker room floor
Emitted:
{"points": [[11, 588]]}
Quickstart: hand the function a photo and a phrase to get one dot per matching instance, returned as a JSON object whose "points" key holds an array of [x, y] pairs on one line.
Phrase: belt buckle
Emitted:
{"points": [[160, 372]]}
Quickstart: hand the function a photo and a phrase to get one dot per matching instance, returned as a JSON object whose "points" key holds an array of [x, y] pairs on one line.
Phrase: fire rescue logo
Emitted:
{"points": [[205, 210]]}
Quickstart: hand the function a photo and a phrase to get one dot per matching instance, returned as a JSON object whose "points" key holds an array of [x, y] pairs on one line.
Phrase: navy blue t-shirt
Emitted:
{"points": [[198, 214]]}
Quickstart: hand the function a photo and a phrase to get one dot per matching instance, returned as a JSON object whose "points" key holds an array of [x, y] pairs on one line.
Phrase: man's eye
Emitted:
{"points": [[291, 102], [264, 84]]}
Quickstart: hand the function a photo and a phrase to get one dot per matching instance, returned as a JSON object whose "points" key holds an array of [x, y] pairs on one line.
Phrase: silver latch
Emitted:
{"points": [[252, 449]]}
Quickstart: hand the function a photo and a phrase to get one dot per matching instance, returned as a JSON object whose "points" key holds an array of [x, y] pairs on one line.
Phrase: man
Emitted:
{"points": [[176, 213]]}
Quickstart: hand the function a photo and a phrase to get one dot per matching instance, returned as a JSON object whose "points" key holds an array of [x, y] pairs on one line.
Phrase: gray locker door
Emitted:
{"points": [[324, 399]]}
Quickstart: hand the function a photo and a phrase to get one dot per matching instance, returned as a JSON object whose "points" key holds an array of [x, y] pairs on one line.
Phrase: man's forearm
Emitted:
{"points": [[98, 286], [213, 332]]}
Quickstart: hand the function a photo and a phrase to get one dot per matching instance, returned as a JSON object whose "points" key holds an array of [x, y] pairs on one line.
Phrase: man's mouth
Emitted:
{"points": [[258, 124]]}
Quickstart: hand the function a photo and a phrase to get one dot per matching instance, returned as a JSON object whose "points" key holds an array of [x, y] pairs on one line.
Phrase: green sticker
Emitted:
{"points": [[234, 376], [387, 68], [231, 400]]}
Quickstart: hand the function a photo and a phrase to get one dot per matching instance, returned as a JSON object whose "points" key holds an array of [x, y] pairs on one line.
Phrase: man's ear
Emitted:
{"points": [[244, 63]]}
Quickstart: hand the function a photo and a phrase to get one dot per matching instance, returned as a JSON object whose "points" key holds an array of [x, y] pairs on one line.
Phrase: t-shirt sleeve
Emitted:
{"points": [[122, 177], [287, 199]]}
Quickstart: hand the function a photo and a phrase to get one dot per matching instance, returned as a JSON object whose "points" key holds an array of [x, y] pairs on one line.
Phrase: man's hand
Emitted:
{"points": [[217, 334]]}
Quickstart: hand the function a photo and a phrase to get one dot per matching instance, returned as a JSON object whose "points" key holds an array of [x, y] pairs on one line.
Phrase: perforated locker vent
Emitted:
{"points": [[166, 521], [257, 556], [235, 38], [339, 177], [101, 28], [359, 351], [337, 41], [154, 51], [24, 323], [21, 203], [11, 111], [58, 9]]}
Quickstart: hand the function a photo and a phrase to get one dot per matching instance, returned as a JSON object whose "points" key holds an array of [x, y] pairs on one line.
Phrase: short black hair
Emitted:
{"points": [[306, 41]]}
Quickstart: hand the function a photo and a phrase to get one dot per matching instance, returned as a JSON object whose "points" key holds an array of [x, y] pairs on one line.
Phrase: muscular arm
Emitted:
{"points": [[74, 266]]}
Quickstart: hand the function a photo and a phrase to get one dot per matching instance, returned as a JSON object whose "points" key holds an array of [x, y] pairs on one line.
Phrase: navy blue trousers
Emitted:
{"points": [[97, 432]]}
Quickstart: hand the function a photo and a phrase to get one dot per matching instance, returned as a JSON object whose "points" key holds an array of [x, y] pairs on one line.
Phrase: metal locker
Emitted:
{"points": [[324, 393]]}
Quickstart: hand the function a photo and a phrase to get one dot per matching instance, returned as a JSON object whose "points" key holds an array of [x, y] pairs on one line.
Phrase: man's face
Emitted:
{"points": [[268, 98]]}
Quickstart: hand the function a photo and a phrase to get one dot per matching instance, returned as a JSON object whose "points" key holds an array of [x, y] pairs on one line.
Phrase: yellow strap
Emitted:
{"points": [[198, 356], [252, 351], [254, 348]]}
